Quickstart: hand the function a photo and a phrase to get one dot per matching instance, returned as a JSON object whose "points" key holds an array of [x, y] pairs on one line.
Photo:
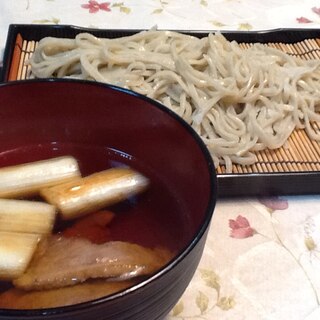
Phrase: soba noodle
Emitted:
{"points": [[239, 100]]}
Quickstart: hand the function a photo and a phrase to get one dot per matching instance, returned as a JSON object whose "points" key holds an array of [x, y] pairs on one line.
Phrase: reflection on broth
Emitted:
{"points": [[104, 251]]}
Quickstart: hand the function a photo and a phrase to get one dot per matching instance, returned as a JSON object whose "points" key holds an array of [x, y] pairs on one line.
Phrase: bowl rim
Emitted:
{"points": [[14, 313]]}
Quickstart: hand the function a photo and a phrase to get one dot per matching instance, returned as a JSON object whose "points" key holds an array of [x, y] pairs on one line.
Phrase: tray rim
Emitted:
{"points": [[14, 29], [229, 185]]}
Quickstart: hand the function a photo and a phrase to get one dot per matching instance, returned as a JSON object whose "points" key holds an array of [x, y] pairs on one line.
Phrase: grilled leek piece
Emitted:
{"points": [[101, 189], [27, 179], [16, 251], [26, 216]]}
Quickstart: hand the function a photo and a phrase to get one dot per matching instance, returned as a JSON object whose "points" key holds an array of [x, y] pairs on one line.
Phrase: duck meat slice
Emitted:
{"points": [[61, 262]]}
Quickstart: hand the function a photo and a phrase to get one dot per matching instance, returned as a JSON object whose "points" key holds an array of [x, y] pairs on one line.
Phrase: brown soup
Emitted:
{"points": [[155, 218]]}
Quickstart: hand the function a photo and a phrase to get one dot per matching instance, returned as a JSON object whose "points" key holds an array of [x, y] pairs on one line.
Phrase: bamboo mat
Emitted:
{"points": [[300, 153]]}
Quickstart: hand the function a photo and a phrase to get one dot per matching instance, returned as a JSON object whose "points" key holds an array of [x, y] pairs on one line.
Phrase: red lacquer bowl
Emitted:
{"points": [[105, 126]]}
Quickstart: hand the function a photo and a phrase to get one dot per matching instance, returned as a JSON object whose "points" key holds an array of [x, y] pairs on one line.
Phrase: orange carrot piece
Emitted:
{"points": [[92, 227]]}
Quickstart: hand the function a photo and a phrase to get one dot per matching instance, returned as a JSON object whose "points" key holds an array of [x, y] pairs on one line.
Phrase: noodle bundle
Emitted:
{"points": [[239, 100]]}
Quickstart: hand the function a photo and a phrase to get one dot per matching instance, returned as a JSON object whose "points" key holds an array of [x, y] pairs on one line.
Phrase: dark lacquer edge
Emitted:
{"points": [[269, 184], [230, 185], [38, 31]]}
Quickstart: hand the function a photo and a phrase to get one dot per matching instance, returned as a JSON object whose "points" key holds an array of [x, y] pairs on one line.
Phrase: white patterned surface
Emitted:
{"points": [[165, 14], [269, 268], [270, 274]]}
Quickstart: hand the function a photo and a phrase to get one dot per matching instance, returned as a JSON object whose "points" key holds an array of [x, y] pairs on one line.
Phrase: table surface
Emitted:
{"points": [[262, 257]]}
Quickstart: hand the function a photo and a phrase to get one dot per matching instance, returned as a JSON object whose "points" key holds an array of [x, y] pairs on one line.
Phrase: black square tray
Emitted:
{"points": [[235, 184]]}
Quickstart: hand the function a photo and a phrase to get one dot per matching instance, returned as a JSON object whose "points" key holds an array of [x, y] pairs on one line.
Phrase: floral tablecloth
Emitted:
{"points": [[165, 14], [262, 257], [261, 261]]}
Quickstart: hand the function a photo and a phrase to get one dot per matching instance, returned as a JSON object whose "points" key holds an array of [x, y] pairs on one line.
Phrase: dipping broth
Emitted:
{"points": [[153, 219]]}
